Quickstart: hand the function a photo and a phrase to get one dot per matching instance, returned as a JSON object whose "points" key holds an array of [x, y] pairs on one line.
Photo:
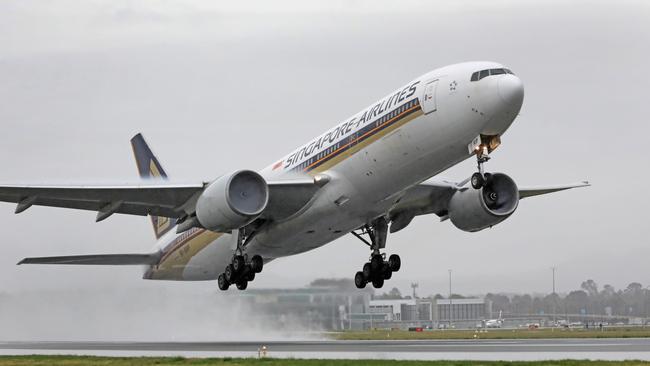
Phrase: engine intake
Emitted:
{"points": [[475, 210], [232, 201]]}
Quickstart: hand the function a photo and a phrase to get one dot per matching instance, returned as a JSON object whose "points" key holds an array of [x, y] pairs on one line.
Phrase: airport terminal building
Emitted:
{"points": [[434, 313], [338, 305]]}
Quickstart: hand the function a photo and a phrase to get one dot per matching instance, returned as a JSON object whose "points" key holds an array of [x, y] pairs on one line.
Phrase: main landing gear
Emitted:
{"points": [[481, 179], [378, 269], [241, 269]]}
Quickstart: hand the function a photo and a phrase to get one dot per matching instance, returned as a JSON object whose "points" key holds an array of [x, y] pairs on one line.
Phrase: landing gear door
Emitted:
{"points": [[429, 97]]}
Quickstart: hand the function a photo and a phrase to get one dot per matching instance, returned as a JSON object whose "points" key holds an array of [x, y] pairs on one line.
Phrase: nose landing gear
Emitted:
{"points": [[378, 269], [480, 179]]}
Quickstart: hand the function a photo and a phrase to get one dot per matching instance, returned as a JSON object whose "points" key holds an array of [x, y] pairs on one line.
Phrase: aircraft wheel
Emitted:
{"points": [[241, 285], [387, 272], [257, 263], [222, 283], [378, 282], [488, 179], [238, 263], [477, 180], [376, 263], [229, 273], [360, 280], [250, 276], [367, 272], [395, 262]]}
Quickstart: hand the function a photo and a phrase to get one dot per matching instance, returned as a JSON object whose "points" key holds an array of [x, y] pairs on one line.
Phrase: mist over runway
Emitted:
{"points": [[520, 349]]}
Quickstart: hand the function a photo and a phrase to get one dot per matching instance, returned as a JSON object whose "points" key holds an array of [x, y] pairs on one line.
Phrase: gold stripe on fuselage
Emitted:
{"points": [[174, 262], [358, 146]]}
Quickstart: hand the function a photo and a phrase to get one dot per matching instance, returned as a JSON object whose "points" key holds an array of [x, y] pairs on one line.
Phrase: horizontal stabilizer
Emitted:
{"points": [[536, 191], [97, 259]]}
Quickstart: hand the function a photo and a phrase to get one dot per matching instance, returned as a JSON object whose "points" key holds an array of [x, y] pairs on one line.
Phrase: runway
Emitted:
{"points": [[521, 349]]}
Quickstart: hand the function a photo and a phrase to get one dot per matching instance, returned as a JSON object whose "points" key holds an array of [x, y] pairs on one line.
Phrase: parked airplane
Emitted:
{"points": [[494, 323], [368, 172]]}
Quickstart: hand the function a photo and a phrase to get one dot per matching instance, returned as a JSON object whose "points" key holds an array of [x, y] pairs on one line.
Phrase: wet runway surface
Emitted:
{"points": [[616, 348]]}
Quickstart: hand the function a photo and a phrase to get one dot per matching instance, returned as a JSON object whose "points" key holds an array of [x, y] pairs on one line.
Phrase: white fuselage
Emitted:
{"points": [[373, 157]]}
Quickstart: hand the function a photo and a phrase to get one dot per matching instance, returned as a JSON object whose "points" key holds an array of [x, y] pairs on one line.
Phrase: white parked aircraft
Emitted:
{"points": [[494, 323], [370, 171]]}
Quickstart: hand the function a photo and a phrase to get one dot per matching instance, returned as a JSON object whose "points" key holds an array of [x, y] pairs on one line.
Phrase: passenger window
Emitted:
{"points": [[483, 74], [474, 77]]}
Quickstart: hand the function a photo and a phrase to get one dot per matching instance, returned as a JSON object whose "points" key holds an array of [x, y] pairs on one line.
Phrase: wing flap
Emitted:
{"points": [[97, 259]]}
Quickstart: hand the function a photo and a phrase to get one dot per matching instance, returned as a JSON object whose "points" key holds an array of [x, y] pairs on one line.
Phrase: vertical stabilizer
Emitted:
{"points": [[149, 168]]}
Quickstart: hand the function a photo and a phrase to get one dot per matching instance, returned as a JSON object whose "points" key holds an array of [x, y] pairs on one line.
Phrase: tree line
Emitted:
{"points": [[634, 300]]}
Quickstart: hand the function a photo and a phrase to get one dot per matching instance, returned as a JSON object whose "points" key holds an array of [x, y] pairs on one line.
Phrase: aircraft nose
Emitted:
{"points": [[511, 90]]}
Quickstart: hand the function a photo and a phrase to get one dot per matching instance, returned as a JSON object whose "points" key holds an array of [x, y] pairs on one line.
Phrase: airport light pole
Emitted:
{"points": [[554, 298], [450, 302]]}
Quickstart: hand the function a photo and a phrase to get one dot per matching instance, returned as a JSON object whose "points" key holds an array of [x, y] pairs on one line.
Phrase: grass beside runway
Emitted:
{"points": [[145, 361], [494, 334]]}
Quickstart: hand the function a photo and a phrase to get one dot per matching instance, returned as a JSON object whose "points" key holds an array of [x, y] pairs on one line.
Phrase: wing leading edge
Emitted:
{"points": [[97, 259]]}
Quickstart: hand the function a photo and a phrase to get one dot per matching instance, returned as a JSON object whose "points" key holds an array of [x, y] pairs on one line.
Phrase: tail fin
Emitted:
{"points": [[149, 168]]}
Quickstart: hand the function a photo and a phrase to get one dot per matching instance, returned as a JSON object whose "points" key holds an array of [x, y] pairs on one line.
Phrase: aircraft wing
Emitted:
{"points": [[97, 259], [158, 200], [168, 200], [536, 191], [432, 196]]}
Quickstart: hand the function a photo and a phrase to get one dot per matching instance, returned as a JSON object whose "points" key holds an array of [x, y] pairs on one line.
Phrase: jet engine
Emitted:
{"points": [[477, 209], [232, 201]]}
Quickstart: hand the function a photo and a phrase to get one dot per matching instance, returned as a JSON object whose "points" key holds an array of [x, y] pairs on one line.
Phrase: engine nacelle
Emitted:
{"points": [[232, 201], [474, 210]]}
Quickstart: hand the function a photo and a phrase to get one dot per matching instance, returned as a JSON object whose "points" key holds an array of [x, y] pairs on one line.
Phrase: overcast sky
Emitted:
{"points": [[222, 86]]}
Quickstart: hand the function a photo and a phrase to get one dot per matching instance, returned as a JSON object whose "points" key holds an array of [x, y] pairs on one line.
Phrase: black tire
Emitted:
{"points": [[222, 283], [477, 181], [360, 280], [229, 274], [250, 275], [367, 272], [488, 179], [238, 263], [242, 285], [378, 283], [376, 263], [388, 273], [257, 263], [395, 262]]}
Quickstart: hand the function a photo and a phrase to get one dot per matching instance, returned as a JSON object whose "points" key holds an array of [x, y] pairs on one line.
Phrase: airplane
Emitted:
{"points": [[369, 175], [494, 323]]}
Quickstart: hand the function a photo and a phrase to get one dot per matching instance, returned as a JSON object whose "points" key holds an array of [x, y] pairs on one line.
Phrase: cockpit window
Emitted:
{"points": [[478, 75]]}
